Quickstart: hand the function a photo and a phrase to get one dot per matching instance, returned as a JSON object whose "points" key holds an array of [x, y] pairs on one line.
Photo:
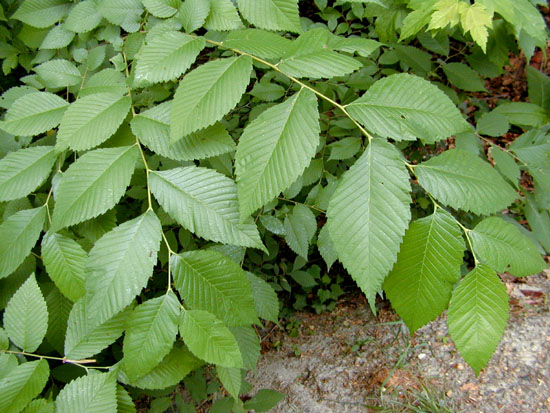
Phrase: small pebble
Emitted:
{"points": [[422, 356]]}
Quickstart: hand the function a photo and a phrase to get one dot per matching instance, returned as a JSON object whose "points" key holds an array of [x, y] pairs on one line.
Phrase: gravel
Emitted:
{"points": [[350, 361]]}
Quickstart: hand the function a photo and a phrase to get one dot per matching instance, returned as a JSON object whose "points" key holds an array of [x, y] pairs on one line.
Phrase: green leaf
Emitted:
{"points": [[161, 8], [18, 234], [503, 247], [167, 56], [40, 406], [4, 340], [41, 13], [125, 404], [193, 14], [278, 15], [506, 165], [463, 77], [318, 63], [124, 13], [427, 268], [34, 113], [23, 384], [83, 17], [94, 393], [477, 316], [492, 124], [326, 247], [344, 148], [532, 148], [303, 278], [446, 13], [57, 38], [462, 180], [150, 334], [268, 91], [435, 42], [65, 262], [26, 316], [523, 114], [539, 221], [92, 185], [209, 339], [11, 284], [152, 127], [105, 81], [231, 380], [419, 61], [249, 344], [8, 362], [368, 215], [522, 15], [417, 19], [264, 400], [363, 47], [223, 16], [265, 299], [300, 227], [85, 337], [12, 94], [94, 229], [23, 171], [58, 73], [274, 150], [272, 224], [207, 93], [59, 308], [258, 42], [539, 87], [91, 120], [120, 264], [406, 107], [211, 281], [476, 19], [204, 202], [171, 370]]}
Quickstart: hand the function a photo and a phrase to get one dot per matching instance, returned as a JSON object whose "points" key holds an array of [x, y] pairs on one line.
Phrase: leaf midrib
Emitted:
{"points": [[72, 133], [209, 283], [36, 114], [31, 166], [203, 205], [99, 178]]}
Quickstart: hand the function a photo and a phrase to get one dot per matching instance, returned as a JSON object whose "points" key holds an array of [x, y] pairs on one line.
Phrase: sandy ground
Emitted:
{"points": [[350, 361]]}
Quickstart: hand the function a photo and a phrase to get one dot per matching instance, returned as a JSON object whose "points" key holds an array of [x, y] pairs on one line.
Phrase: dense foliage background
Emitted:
{"points": [[169, 167]]}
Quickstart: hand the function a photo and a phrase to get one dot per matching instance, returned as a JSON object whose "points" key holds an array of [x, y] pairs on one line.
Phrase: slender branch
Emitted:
{"points": [[147, 171], [492, 144], [302, 84], [169, 267], [469, 240], [138, 143], [462, 227], [301, 203], [63, 359], [170, 251], [82, 83], [47, 207]]}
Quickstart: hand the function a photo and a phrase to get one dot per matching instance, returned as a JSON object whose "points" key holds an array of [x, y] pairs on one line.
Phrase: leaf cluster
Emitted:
{"points": [[167, 167]]}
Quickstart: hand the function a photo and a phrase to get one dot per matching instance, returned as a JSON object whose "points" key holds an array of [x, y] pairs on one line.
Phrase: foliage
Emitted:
{"points": [[168, 166]]}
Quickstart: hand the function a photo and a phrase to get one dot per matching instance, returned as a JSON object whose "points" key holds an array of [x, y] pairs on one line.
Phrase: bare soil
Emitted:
{"points": [[350, 361]]}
